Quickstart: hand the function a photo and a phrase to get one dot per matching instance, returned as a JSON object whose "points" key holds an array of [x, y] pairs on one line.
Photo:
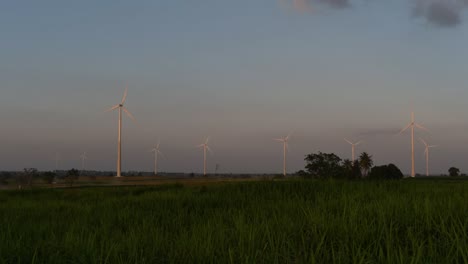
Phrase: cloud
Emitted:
{"points": [[442, 13], [336, 3], [308, 5]]}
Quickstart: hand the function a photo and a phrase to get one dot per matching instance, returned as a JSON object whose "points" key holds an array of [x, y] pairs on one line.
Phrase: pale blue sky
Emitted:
{"points": [[240, 71]]}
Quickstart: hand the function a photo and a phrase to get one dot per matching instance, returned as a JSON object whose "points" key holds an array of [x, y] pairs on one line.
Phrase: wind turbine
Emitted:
{"points": [[353, 147], [121, 108], [426, 152], [205, 148], [285, 148], [156, 152], [412, 125], [83, 157]]}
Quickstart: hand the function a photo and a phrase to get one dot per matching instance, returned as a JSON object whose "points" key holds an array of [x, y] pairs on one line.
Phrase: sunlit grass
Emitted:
{"points": [[254, 222]]}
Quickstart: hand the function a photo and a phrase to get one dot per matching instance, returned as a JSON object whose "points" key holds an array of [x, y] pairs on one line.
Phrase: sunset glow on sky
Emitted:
{"points": [[243, 72]]}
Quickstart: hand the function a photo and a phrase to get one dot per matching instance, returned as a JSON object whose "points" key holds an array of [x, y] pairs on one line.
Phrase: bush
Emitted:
{"points": [[454, 172], [386, 172], [71, 176], [49, 177]]}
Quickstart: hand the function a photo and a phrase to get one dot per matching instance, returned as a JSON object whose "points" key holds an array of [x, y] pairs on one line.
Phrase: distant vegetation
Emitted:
{"points": [[329, 165], [281, 221]]}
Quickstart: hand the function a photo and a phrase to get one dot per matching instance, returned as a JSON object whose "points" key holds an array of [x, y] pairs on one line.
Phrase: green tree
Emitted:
{"points": [[323, 165], [71, 176], [454, 172], [25, 178], [348, 168], [357, 173], [49, 177], [366, 163]]}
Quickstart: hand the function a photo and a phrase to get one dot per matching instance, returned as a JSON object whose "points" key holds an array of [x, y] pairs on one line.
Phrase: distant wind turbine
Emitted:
{"points": [[412, 125], [156, 152], [426, 152], [285, 141], [121, 108], [353, 147], [83, 157], [205, 148]]}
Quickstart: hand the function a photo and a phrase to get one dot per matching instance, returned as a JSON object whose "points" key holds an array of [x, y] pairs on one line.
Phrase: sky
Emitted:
{"points": [[242, 72]]}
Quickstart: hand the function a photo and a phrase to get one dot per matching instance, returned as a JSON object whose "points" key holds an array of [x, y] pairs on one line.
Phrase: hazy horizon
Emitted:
{"points": [[240, 72]]}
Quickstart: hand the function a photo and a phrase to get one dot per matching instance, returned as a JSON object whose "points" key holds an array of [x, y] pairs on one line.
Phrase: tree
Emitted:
{"points": [[49, 177], [26, 177], [357, 173], [348, 168], [71, 176], [366, 163], [4, 177], [386, 172], [323, 165], [301, 173], [454, 172]]}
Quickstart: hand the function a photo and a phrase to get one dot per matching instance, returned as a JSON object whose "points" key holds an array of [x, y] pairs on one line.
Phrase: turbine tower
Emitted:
{"points": [[121, 108], [156, 152], [412, 125], [285, 148], [83, 157], [426, 152], [205, 148], [353, 147]]}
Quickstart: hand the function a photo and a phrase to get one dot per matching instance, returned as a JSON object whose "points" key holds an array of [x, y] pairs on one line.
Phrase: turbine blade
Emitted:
{"points": [[358, 143], [424, 142], [404, 129], [279, 139], [112, 108], [129, 114], [125, 95], [348, 141], [207, 140], [421, 127], [209, 149]]}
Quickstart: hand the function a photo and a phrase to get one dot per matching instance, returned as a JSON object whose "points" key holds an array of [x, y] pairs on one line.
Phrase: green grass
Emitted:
{"points": [[406, 221]]}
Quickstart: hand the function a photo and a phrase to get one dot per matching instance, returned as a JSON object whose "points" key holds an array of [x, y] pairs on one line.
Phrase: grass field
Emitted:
{"points": [[296, 221]]}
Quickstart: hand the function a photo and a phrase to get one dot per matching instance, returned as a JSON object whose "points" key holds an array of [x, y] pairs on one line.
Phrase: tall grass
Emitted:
{"points": [[255, 222]]}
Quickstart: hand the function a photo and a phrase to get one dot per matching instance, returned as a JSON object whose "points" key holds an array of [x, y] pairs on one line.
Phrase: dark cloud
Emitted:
{"points": [[442, 13], [335, 3], [308, 5]]}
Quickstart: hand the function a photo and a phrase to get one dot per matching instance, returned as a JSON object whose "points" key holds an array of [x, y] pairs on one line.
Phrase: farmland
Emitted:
{"points": [[263, 221]]}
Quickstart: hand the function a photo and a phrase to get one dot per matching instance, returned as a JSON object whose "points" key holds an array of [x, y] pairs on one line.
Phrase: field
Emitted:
{"points": [[291, 221]]}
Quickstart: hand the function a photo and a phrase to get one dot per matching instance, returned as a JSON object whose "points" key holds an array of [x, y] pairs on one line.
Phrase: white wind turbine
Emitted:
{"points": [[412, 125], [426, 152], [205, 148], [285, 141], [83, 157], [156, 152], [353, 147], [121, 108]]}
